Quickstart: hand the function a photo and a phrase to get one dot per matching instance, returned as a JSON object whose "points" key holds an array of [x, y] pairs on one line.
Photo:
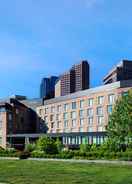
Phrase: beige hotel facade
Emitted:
{"points": [[82, 116]]}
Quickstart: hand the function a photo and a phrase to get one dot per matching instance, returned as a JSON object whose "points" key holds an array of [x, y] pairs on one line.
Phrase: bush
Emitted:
{"points": [[24, 155], [47, 145], [84, 148], [30, 147], [59, 145], [38, 154]]}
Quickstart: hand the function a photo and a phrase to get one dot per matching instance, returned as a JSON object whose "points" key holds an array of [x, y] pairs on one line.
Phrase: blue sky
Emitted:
{"points": [[39, 38]]}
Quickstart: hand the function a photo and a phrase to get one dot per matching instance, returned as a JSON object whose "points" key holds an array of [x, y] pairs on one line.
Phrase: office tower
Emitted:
{"points": [[123, 71], [76, 79], [47, 87]]}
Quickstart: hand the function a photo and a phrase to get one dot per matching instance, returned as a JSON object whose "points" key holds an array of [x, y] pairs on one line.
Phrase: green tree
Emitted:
{"points": [[47, 145], [120, 123], [59, 145]]}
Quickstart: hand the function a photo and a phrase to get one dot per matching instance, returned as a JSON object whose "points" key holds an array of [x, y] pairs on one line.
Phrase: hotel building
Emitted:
{"points": [[82, 116]]}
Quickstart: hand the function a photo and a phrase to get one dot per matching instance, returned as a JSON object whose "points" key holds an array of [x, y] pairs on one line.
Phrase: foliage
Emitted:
{"points": [[47, 145], [120, 124], [59, 145], [84, 148], [30, 147]]}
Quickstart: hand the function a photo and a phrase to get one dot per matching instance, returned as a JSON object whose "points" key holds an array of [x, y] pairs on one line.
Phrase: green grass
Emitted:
{"points": [[44, 172]]}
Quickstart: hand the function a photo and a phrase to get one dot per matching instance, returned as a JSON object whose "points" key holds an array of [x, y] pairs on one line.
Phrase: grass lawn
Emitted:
{"points": [[44, 172]]}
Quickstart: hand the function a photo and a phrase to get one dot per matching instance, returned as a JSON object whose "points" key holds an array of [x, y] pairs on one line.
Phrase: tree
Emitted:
{"points": [[47, 145], [119, 128]]}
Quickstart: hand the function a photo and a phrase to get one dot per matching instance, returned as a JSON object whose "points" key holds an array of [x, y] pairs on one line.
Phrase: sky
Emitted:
{"points": [[39, 38]]}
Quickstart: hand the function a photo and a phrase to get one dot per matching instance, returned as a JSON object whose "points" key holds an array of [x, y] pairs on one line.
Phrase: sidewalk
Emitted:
{"points": [[74, 161]]}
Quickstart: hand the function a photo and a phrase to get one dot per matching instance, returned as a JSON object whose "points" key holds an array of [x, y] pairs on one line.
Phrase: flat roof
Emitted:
{"points": [[108, 87]]}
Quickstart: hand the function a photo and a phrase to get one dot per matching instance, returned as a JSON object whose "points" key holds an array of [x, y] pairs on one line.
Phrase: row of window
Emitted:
{"points": [[75, 140], [73, 105], [100, 121], [73, 114]]}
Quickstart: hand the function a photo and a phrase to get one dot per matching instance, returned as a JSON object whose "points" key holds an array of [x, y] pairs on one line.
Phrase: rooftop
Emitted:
{"points": [[86, 92]]}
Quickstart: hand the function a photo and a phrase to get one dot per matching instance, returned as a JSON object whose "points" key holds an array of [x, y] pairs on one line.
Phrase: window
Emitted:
{"points": [[90, 102], [100, 120], [52, 125], [81, 113], [52, 109], [100, 100], [58, 117], [73, 115], [81, 122], [40, 111], [99, 111], [81, 103], [10, 117], [80, 129], [65, 115], [59, 108], [58, 124], [65, 124], [100, 129], [65, 107], [90, 120], [74, 105], [90, 112], [0, 124], [111, 99], [74, 123], [109, 109], [46, 119], [46, 110], [90, 129], [51, 117]]}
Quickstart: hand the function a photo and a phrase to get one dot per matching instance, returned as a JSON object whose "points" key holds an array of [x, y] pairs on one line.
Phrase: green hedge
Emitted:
{"points": [[86, 155]]}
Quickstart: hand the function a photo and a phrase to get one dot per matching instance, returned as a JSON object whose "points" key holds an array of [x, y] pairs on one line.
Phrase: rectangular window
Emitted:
{"points": [[0, 124], [59, 108], [90, 112], [58, 117], [52, 125], [81, 122], [90, 129], [46, 110], [46, 119], [52, 109], [74, 123], [65, 115], [100, 120], [90, 120], [99, 111], [65, 124], [73, 115], [81, 103], [58, 124], [111, 99], [100, 129], [100, 100], [109, 109], [90, 102], [80, 129], [10, 117], [65, 107], [74, 105], [51, 117], [81, 113]]}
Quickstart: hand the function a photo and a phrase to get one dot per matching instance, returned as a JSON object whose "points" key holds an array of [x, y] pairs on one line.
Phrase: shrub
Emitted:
{"points": [[59, 145], [47, 145], [38, 154], [30, 147], [84, 148]]}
